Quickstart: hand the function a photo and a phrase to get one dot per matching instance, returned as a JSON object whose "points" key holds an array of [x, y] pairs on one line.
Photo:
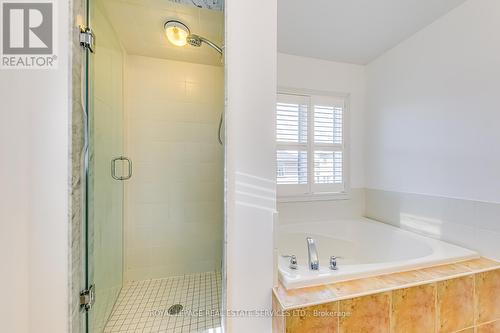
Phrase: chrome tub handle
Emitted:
{"points": [[293, 261]]}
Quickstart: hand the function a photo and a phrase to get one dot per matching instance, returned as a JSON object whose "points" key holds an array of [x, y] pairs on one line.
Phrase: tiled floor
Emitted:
{"points": [[143, 305]]}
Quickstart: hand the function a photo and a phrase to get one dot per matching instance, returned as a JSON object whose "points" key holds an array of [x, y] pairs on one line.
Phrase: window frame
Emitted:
{"points": [[289, 193]]}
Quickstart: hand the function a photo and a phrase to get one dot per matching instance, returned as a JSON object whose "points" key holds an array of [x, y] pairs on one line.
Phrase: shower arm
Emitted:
{"points": [[211, 44], [196, 40]]}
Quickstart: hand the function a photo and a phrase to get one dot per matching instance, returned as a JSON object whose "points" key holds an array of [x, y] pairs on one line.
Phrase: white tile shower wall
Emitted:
{"points": [[174, 201], [472, 224]]}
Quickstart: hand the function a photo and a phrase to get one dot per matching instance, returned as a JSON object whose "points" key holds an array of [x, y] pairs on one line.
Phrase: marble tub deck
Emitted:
{"points": [[458, 297]]}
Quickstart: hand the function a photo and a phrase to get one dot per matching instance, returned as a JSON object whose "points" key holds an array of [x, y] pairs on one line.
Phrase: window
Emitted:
{"points": [[310, 145]]}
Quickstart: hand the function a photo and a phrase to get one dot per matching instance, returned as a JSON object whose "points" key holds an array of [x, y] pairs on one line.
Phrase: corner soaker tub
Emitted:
{"points": [[363, 247]]}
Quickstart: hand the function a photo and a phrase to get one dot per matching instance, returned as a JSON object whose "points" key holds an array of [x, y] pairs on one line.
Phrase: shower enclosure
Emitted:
{"points": [[154, 169]]}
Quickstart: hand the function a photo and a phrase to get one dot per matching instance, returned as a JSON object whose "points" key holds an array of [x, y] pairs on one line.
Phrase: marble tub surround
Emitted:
{"points": [[308, 320], [365, 314], [414, 309], [454, 309], [492, 327], [296, 298], [467, 299], [488, 296]]}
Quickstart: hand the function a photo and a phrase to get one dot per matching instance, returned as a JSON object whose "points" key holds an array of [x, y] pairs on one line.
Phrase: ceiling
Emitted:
{"points": [[210, 4], [139, 26], [353, 31]]}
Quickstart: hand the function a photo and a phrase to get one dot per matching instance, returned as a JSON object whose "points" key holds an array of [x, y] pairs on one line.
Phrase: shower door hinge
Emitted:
{"points": [[87, 39], [87, 298]]}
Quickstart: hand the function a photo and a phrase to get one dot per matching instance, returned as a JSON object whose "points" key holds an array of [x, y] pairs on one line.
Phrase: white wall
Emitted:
{"points": [[15, 203], [432, 125], [250, 160], [174, 201], [308, 73], [34, 134], [323, 210], [433, 129]]}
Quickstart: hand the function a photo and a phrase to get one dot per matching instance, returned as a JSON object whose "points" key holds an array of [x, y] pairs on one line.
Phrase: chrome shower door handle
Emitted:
{"points": [[113, 168]]}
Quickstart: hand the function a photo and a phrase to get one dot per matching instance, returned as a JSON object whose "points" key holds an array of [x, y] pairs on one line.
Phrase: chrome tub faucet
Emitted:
{"points": [[312, 254]]}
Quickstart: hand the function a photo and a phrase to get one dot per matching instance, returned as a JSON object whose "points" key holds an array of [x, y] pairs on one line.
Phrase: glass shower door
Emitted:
{"points": [[106, 169]]}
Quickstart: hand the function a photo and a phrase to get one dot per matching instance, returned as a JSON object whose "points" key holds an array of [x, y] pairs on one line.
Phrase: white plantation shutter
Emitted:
{"points": [[327, 167], [328, 144], [328, 124], [292, 137], [311, 145], [291, 119], [292, 167]]}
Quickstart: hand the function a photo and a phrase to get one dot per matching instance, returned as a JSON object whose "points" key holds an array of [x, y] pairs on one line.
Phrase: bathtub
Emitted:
{"points": [[363, 247]]}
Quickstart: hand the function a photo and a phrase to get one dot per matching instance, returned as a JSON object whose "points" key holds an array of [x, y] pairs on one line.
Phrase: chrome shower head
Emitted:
{"points": [[179, 34], [196, 41]]}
